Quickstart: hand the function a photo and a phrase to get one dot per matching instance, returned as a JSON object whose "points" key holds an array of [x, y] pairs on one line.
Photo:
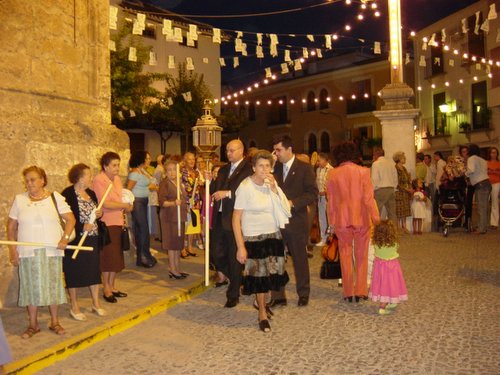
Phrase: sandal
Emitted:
{"points": [[30, 332], [57, 329]]}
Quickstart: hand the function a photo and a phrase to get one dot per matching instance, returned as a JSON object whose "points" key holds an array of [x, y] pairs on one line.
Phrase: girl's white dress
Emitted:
{"points": [[418, 207]]}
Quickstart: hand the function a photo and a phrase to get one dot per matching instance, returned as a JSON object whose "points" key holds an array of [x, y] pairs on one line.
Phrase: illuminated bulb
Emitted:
{"points": [[475, 78], [225, 103], [315, 100], [216, 101], [379, 93], [366, 95], [363, 6], [376, 14], [328, 99], [490, 75], [347, 27], [302, 60], [280, 101], [222, 99], [292, 101], [235, 95], [419, 88], [490, 62], [413, 33], [483, 60], [273, 76], [256, 85], [353, 96], [313, 53], [424, 39], [229, 96], [473, 58], [461, 81], [249, 88], [335, 36], [257, 102], [247, 102], [341, 97], [465, 56], [242, 92], [455, 51], [269, 102], [266, 81], [446, 48], [497, 63], [433, 86], [348, 2], [236, 102], [447, 84], [304, 101], [360, 17], [374, 6]]}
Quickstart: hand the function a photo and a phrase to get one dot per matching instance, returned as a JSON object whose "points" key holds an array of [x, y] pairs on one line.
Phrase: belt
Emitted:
{"points": [[482, 182]]}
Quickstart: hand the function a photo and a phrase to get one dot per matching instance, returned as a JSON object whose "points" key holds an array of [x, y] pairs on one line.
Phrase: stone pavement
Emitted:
{"points": [[450, 325]]}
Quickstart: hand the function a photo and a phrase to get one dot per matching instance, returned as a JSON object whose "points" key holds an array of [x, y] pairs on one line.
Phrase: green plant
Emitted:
{"points": [[464, 126]]}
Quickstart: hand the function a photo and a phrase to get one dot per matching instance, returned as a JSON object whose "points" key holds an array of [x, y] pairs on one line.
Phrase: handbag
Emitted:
{"points": [[330, 251], [72, 236], [125, 238], [330, 270], [103, 230]]}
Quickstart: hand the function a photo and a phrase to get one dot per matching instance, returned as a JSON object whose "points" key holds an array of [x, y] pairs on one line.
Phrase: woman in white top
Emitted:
{"points": [[35, 217], [260, 210]]}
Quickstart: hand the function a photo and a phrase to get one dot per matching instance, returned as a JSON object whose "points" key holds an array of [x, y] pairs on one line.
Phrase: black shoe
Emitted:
{"points": [[119, 294], [361, 297], [277, 302], [177, 277], [189, 253], [303, 301], [184, 274], [145, 265], [110, 299], [231, 302], [348, 299], [264, 325], [222, 283]]}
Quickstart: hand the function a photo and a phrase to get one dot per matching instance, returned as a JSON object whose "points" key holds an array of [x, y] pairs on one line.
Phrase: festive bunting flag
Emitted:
{"points": [[167, 27], [451, 62], [318, 53], [189, 63], [193, 31], [492, 14], [443, 35], [113, 17], [305, 53], [284, 68], [310, 37], [287, 55], [298, 65], [328, 41], [236, 61], [465, 29], [259, 52], [376, 48], [273, 50], [205, 60], [237, 45], [424, 46], [269, 74], [170, 101], [132, 113], [422, 61], [132, 54], [178, 34], [259, 39], [171, 62], [222, 62], [407, 59], [437, 61], [152, 58], [141, 20], [187, 96], [216, 37], [486, 26], [137, 28], [244, 49], [112, 45], [239, 34], [476, 26], [478, 66], [274, 38]]}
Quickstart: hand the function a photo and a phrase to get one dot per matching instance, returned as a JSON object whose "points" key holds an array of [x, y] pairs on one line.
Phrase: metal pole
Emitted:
{"points": [[207, 226]]}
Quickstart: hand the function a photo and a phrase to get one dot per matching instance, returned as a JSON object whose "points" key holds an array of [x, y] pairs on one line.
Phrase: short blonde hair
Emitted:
{"points": [[397, 156]]}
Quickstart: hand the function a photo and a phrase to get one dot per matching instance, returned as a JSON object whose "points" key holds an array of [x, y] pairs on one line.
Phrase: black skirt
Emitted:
{"points": [[84, 270], [265, 266]]}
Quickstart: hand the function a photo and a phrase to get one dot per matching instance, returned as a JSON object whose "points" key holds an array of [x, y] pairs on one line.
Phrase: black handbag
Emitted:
{"points": [[103, 230], [125, 239], [330, 270]]}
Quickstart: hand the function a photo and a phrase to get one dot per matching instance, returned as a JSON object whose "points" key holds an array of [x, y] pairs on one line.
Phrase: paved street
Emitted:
{"points": [[450, 325]]}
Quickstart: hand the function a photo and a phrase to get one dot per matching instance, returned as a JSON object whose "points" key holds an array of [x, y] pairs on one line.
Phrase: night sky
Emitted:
{"points": [[331, 18]]}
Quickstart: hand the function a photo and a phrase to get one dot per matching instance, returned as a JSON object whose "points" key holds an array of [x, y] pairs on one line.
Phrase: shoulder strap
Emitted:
{"points": [[57, 209]]}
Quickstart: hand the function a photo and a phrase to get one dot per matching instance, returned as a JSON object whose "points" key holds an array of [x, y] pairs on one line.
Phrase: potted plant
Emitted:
{"points": [[464, 127]]}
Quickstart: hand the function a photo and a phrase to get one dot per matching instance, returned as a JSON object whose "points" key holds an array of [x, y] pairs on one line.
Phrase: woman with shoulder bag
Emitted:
{"points": [[83, 271]]}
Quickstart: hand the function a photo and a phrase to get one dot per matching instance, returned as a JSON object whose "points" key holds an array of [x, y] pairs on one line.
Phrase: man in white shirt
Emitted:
{"points": [[440, 164], [385, 181], [477, 171], [430, 177], [321, 173]]}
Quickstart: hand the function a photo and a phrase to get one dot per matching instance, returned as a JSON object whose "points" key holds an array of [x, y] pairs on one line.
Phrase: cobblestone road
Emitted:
{"points": [[450, 325]]}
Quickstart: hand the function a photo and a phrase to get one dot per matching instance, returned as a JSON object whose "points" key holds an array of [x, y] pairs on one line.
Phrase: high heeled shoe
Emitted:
{"points": [[348, 299], [177, 277], [184, 274]]}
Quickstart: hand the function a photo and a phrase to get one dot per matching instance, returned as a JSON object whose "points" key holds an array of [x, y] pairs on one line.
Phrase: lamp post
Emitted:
{"points": [[207, 139]]}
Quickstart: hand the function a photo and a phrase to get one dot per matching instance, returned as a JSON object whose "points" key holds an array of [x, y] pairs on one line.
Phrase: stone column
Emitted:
{"points": [[397, 117]]}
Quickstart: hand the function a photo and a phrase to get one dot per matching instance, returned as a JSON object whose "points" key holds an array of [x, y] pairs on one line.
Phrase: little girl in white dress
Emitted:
{"points": [[418, 205]]}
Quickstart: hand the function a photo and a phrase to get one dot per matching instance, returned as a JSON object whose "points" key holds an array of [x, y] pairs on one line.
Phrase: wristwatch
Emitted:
{"points": [[66, 237]]}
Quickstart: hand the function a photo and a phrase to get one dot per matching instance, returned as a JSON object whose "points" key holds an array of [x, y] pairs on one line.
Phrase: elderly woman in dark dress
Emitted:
{"points": [[404, 191], [83, 271], [167, 197]]}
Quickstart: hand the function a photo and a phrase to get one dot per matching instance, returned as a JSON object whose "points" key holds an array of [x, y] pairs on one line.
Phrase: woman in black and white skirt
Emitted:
{"points": [[260, 210]]}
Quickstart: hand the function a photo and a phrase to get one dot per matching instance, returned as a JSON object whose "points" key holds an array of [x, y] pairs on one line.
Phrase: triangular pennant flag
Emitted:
{"points": [[443, 35], [407, 59], [269, 74], [287, 55], [178, 34], [171, 62], [205, 60], [284, 68], [432, 41], [310, 37], [259, 39], [492, 14], [193, 31], [422, 61], [216, 37], [305, 53], [376, 48], [465, 29], [189, 40], [141, 20], [222, 62], [274, 38], [167, 27], [170, 101], [273, 50], [239, 34], [319, 53], [189, 63], [236, 61], [112, 45], [451, 62], [476, 26], [328, 41], [486, 26], [136, 28], [424, 46], [152, 58], [259, 52], [244, 49], [187, 96], [237, 45], [297, 65], [132, 54], [113, 17]]}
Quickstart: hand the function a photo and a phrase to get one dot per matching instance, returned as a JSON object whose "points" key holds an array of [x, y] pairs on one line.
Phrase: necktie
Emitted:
{"points": [[233, 167], [285, 171]]}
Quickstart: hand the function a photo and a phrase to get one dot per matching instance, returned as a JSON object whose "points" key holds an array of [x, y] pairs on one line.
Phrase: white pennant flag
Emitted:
{"points": [[422, 61], [274, 38], [451, 62], [478, 66], [424, 46], [432, 41], [488, 69], [319, 53], [152, 58], [287, 55], [476, 26], [238, 45], [443, 35], [236, 62], [187, 96], [132, 113], [222, 62], [486, 26], [189, 63], [167, 27], [141, 20], [112, 45], [239, 34], [170, 101], [260, 52], [328, 41], [113, 17], [205, 60], [193, 31], [273, 50], [284, 68], [132, 54], [376, 48], [178, 34], [310, 37], [465, 29], [437, 61], [244, 49], [259, 39], [407, 59], [120, 115], [216, 37], [305, 53], [137, 28], [171, 62], [297, 65], [492, 14], [189, 40], [269, 74]]}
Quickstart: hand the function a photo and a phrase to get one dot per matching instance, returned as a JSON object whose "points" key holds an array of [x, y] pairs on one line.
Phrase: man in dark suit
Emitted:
{"points": [[298, 182], [223, 193]]}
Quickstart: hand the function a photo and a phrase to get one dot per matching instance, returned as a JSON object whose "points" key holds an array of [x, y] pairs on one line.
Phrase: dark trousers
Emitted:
{"points": [[224, 256], [141, 230], [469, 199], [296, 241]]}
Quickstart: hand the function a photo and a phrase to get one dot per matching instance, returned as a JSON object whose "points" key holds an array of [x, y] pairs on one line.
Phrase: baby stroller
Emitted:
{"points": [[451, 204]]}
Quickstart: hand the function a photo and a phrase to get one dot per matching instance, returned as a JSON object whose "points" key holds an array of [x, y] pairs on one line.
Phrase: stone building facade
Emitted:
{"points": [[54, 98]]}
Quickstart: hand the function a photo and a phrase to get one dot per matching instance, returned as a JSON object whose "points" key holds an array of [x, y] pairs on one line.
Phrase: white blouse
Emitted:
{"points": [[38, 222]]}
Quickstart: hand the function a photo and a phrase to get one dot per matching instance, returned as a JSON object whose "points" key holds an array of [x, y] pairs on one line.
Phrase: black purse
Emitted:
{"points": [[104, 238], [330, 270], [125, 239]]}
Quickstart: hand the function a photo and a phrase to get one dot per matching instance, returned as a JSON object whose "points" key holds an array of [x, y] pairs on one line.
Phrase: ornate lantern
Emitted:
{"points": [[206, 132]]}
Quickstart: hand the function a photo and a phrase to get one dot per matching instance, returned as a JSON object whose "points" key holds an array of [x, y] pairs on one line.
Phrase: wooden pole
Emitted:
{"points": [[41, 244], [207, 226], [85, 234], [178, 183]]}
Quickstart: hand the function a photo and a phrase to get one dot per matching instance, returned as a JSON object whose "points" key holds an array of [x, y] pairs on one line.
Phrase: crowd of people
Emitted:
{"points": [[260, 209]]}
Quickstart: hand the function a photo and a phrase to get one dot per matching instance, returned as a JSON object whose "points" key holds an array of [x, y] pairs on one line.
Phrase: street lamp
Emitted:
{"points": [[206, 140]]}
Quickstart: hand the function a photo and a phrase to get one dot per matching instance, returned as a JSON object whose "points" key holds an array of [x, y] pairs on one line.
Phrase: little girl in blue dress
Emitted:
{"points": [[388, 286]]}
